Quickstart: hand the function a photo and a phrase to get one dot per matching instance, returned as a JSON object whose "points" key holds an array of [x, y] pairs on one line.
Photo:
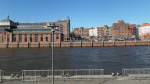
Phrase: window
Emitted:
{"points": [[30, 37], [8, 38], [57, 37], [46, 37], [14, 38], [41, 37], [36, 37], [25, 39], [20, 37]]}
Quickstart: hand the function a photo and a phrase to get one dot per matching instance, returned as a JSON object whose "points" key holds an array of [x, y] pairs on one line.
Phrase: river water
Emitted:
{"points": [[110, 59]]}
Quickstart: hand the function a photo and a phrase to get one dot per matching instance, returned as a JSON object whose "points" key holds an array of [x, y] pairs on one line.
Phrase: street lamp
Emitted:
{"points": [[53, 29]]}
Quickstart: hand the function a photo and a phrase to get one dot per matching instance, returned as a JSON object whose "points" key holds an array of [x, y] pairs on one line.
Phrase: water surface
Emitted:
{"points": [[110, 59]]}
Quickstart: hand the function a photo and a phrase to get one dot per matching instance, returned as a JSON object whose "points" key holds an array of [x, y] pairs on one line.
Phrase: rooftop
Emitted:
{"points": [[6, 19]]}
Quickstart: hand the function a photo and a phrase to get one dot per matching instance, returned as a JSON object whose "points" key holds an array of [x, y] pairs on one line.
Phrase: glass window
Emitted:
{"points": [[25, 39], [41, 37], [36, 37], [14, 38], [57, 37], [8, 38], [20, 37], [46, 37], [30, 37]]}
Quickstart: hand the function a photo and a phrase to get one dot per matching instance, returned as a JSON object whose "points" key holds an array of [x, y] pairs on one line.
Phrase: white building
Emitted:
{"points": [[144, 32], [93, 32]]}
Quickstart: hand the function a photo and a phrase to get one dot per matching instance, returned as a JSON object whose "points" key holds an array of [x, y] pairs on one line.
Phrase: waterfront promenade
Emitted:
{"points": [[113, 80], [86, 82], [128, 76], [76, 44]]}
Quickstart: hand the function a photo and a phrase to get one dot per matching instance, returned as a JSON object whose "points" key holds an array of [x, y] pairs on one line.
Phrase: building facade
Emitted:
{"points": [[104, 33], [81, 33], [133, 31], [144, 32], [11, 31], [123, 31], [94, 34]]}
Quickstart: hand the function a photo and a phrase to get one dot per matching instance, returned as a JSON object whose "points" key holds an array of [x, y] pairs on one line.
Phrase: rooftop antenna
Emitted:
{"points": [[8, 17]]}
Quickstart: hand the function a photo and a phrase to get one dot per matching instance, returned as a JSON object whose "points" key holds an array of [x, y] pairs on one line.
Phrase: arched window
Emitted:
{"points": [[41, 37], [20, 37], [30, 37], [8, 38], [25, 39], [14, 38], [46, 37], [36, 37], [57, 36]]}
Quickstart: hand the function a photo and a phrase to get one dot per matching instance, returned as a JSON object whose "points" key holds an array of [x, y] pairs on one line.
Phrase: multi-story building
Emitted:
{"points": [[11, 31], [81, 33], [144, 32], [133, 31], [104, 33], [120, 30], [65, 27], [78, 32], [123, 31], [85, 33], [94, 34]]}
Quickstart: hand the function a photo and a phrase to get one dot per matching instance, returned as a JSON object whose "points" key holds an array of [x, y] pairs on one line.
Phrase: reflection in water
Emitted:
{"points": [[110, 59]]}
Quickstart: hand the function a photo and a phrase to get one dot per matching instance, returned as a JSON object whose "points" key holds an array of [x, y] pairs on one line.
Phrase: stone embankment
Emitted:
{"points": [[76, 44]]}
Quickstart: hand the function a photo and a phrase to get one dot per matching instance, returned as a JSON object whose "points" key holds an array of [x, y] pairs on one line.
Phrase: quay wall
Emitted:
{"points": [[75, 44]]}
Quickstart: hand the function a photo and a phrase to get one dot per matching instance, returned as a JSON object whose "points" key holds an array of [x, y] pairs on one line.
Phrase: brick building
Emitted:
{"points": [[104, 33], [81, 33], [123, 31], [97, 34], [11, 31], [133, 31]]}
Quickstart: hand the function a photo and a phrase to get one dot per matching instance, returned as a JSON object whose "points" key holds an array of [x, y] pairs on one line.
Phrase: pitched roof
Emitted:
{"points": [[6, 20]]}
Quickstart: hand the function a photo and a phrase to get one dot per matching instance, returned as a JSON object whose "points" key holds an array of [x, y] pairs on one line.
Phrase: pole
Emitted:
{"points": [[52, 56], [52, 26]]}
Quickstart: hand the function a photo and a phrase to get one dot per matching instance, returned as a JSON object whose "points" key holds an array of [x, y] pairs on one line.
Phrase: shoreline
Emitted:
{"points": [[76, 44]]}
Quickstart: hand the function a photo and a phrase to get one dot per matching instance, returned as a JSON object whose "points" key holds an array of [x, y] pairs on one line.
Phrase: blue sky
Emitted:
{"points": [[87, 13]]}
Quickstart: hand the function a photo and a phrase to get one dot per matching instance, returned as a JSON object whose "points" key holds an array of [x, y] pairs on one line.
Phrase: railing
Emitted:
{"points": [[136, 71], [39, 75], [1, 75], [72, 74]]}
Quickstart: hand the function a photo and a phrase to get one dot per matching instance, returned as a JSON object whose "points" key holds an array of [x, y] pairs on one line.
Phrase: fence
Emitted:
{"points": [[136, 71], [1, 75], [39, 75]]}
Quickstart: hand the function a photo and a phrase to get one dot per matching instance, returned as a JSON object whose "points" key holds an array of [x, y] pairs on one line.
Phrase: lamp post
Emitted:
{"points": [[53, 29]]}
